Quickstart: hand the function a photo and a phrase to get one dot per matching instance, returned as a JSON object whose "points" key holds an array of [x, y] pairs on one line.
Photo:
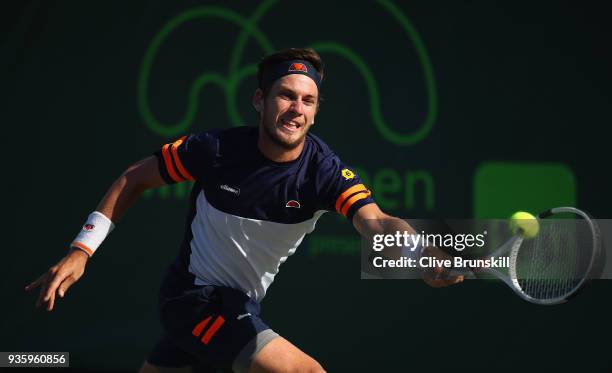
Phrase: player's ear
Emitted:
{"points": [[258, 100]]}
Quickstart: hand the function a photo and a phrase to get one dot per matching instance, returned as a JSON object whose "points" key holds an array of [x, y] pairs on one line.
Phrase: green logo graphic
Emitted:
{"points": [[502, 188], [230, 82]]}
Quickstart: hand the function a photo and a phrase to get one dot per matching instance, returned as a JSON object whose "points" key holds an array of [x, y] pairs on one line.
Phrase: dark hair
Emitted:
{"points": [[306, 54]]}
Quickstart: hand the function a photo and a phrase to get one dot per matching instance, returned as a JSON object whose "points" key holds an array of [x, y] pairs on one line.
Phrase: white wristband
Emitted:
{"points": [[94, 231]]}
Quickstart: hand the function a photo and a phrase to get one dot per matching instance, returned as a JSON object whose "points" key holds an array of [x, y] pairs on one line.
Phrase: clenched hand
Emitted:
{"points": [[438, 277]]}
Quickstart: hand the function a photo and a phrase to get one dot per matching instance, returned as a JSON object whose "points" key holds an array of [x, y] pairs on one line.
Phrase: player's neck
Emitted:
{"points": [[275, 152]]}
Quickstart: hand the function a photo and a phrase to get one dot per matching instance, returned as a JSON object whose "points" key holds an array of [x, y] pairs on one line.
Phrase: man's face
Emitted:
{"points": [[289, 109]]}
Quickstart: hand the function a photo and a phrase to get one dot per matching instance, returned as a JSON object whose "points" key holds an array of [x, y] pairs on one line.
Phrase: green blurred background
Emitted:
{"points": [[447, 109]]}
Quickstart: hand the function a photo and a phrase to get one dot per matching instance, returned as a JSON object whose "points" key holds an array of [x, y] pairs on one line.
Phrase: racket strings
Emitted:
{"points": [[556, 261]]}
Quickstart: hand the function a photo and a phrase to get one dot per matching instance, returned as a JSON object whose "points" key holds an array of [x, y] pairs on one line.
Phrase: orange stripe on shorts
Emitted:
{"points": [[200, 327], [213, 329]]}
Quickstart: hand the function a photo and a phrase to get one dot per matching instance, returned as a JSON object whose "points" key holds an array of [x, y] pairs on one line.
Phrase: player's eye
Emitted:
{"points": [[285, 95]]}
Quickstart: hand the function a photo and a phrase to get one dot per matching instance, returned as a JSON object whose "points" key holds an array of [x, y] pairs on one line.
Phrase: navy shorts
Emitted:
{"points": [[207, 327]]}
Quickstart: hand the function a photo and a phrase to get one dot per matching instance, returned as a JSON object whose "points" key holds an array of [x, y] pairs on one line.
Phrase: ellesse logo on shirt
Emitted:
{"points": [[228, 188], [293, 203]]}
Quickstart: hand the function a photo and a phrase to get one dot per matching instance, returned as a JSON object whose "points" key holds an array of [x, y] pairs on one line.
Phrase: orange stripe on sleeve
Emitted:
{"points": [[169, 165], [347, 193], [353, 199], [213, 329], [82, 247], [177, 160]]}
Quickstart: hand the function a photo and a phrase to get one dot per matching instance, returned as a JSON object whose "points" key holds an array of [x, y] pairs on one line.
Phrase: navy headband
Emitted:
{"points": [[283, 68]]}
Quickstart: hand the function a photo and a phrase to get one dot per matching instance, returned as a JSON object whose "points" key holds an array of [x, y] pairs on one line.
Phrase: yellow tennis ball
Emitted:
{"points": [[524, 224]]}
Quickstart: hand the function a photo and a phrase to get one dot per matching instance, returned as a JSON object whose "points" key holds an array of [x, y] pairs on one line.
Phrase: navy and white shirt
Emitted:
{"points": [[247, 213]]}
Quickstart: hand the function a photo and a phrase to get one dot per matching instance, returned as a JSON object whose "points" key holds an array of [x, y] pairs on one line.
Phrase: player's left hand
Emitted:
{"points": [[438, 277]]}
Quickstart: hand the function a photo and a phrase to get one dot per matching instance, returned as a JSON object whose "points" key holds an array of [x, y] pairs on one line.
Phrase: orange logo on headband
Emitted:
{"points": [[298, 67]]}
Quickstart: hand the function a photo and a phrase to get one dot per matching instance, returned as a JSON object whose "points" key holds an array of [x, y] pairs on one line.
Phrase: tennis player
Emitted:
{"points": [[257, 192]]}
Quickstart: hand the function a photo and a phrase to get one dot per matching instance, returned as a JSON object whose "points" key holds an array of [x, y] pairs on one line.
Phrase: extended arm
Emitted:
{"points": [[120, 196], [129, 186], [370, 220]]}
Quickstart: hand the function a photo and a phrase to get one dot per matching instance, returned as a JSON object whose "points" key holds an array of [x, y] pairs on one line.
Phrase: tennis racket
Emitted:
{"points": [[553, 266]]}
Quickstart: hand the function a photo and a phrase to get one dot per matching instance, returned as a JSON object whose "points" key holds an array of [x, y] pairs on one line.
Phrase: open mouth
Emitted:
{"points": [[290, 125]]}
